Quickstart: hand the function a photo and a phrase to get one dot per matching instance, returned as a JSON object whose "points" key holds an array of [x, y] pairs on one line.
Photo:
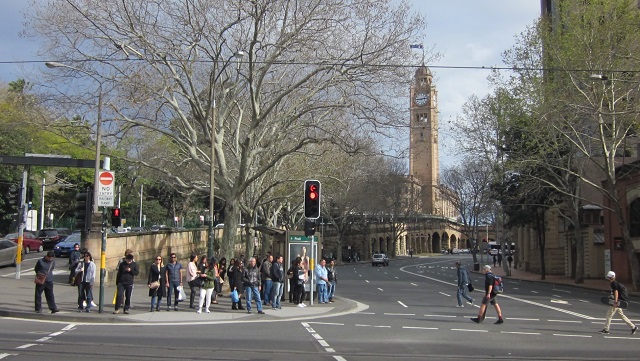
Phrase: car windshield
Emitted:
{"points": [[11, 236], [377, 256], [74, 238], [48, 232]]}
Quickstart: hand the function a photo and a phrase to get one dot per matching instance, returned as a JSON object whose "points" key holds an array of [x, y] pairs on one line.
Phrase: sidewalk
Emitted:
{"points": [[17, 301]]}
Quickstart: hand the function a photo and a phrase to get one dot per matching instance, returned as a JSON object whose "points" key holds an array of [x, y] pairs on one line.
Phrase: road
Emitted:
{"points": [[411, 315]]}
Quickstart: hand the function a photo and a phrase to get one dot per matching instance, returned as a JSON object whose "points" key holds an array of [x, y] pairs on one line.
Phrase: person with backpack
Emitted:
{"points": [[618, 292], [490, 294]]}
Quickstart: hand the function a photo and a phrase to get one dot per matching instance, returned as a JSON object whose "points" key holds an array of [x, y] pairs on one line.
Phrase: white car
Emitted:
{"points": [[8, 252]]}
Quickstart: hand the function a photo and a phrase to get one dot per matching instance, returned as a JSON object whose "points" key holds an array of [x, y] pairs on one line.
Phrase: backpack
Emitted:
{"points": [[623, 293], [498, 286]]}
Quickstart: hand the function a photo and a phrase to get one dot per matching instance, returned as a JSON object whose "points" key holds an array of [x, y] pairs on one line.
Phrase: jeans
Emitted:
{"points": [[462, 293], [205, 295], [266, 291], [173, 287], [47, 287], [124, 294], [276, 294], [322, 293], [155, 301], [85, 293], [332, 289], [253, 292]]}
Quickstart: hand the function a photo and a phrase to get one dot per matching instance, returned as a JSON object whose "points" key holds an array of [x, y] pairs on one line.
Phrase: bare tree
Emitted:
{"points": [[308, 69]]}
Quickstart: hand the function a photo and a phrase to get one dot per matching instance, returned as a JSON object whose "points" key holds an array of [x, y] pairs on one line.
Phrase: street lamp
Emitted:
{"points": [[96, 176], [238, 55]]}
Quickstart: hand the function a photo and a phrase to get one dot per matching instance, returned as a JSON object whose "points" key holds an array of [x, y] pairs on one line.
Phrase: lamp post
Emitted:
{"points": [[210, 249], [96, 177]]}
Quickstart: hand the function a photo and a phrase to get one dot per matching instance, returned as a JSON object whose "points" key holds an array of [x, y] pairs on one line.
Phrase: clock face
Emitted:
{"points": [[421, 99]]}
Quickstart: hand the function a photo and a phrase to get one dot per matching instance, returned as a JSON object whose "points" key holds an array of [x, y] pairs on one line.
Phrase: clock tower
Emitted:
{"points": [[423, 159]]}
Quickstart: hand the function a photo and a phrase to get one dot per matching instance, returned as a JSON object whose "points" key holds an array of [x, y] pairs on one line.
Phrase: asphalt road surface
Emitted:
{"points": [[410, 314]]}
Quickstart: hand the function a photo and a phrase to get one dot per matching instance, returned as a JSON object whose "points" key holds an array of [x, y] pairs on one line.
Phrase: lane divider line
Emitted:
{"points": [[321, 341], [402, 304]]}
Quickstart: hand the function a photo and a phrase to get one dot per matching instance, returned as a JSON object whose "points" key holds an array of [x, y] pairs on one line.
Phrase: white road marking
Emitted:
{"points": [[397, 278], [56, 333], [43, 339], [467, 330], [399, 314], [442, 293], [323, 343], [557, 296], [328, 323], [383, 326], [521, 333], [524, 319], [414, 284], [366, 281], [534, 291], [402, 304], [565, 321], [3, 355], [623, 338], [565, 335], [329, 350], [316, 336], [339, 358], [562, 302], [585, 301], [69, 327], [380, 289], [359, 325], [27, 345], [440, 316], [420, 328], [365, 313]]}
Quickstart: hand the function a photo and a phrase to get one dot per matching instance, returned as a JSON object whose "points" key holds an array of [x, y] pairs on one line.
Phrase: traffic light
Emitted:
{"points": [[309, 227], [84, 205], [312, 199], [12, 197], [116, 217]]}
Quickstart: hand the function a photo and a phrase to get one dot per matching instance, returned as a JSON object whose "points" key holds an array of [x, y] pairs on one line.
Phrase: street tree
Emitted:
{"points": [[235, 85]]}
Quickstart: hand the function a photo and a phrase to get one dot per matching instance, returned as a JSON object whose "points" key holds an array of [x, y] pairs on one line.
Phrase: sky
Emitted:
{"points": [[464, 32]]}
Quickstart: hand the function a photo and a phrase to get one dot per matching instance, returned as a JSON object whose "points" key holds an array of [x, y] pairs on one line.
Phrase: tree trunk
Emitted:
{"points": [[541, 230]]}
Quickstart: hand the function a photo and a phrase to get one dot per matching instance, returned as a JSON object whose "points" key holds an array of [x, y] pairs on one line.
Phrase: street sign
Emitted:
{"points": [[105, 189]]}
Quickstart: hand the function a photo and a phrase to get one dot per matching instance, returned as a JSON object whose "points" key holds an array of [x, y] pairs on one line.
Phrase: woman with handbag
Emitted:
{"points": [[85, 274], [155, 282]]}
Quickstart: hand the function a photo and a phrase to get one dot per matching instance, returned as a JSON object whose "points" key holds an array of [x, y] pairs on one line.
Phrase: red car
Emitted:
{"points": [[29, 241]]}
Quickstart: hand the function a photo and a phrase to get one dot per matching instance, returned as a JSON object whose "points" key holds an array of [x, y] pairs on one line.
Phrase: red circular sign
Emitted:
{"points": [[106, 178]]}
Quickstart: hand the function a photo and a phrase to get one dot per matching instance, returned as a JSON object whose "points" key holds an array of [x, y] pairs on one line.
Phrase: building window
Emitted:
{"points": [[634, 218]]}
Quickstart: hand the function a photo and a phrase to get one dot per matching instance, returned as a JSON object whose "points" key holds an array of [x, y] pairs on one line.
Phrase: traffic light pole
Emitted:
{"points": [[22, 220], [103, 259]]}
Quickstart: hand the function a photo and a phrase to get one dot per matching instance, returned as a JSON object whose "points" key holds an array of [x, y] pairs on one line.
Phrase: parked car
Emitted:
{"points": [[51, 236], [137, 229], [64, 248], [380, 258], [8, 252], [29, 241]]}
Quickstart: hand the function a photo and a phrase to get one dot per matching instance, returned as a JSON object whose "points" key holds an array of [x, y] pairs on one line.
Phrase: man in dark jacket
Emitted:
{"points": [[126, 272], [45, 266], [463, 282], [74, 259], [251, 281], [277, 277]]}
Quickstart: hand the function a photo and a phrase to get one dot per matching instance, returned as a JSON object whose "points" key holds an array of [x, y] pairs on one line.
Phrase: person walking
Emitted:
{"points": [[126, 272], [332, 276], [44, 269], [193, 279], [277, 277], [267, 282], [495, 260], [238, 285], [86, 270], [173, 277], [293, 279], [463, 282], [489, 297], [252, 284], [510, 260], [500, 259], [156, 277], [616, 295], [321, 282], [208, 287], [75, 257]]}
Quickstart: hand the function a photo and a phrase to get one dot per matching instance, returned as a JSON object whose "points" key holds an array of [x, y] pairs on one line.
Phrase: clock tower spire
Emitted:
{"points": [[423, 158]]}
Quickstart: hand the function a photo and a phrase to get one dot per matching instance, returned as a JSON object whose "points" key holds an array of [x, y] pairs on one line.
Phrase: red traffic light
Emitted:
{"points": [[115, 212]]}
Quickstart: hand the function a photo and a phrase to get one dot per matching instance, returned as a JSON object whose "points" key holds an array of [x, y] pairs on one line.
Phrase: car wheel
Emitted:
{"points": [[27, 250]]}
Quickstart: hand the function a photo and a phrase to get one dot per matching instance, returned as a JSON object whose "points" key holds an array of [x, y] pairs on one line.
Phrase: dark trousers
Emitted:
{"points": [[47, 287], [192, 295], [173, 289], [297, 294], [124, 291], [292, 287], [85, 293]]}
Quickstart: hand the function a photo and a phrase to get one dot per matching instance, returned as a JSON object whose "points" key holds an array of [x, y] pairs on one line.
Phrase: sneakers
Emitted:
{"points": [[470, 302], [55, 311], [300, 305], [87, 310], [249, 311], [116, 312], [175, 308], [126, 312], [199, 310], [207, 311], [331, 300], [260, 312], [500, 321], [476, 320], [606, 332], [460, 306], [633, 330]]}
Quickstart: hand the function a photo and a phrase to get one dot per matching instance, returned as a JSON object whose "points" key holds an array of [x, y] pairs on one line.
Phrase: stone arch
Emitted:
{"points": [[454, 241], [436, 246], [445, 242]]}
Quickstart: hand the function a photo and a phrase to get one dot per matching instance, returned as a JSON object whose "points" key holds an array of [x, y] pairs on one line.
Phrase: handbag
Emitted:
{"points": [[234, 296], [41, 278], [470, 287], [154, 285]]}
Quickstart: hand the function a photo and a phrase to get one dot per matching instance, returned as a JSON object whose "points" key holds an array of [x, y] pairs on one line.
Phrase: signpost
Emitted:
{"points": [[105, 199], [105, 189]]}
